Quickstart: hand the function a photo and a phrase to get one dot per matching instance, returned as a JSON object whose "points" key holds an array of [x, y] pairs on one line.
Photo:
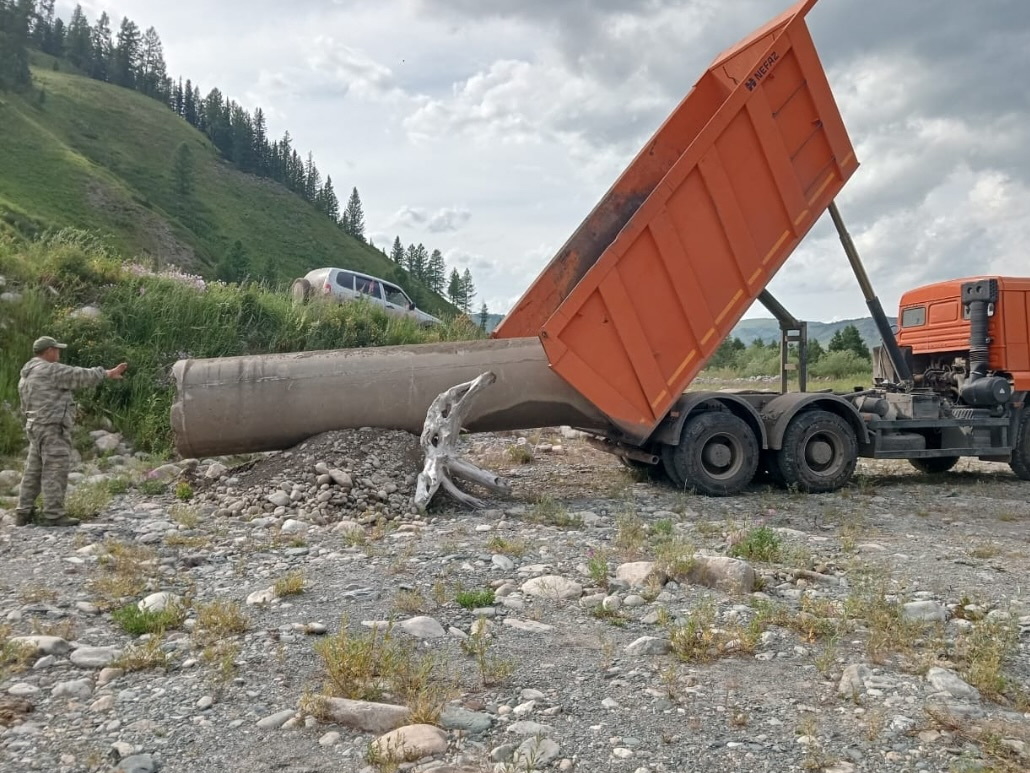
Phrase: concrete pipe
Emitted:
{"points": [[268, 402]]}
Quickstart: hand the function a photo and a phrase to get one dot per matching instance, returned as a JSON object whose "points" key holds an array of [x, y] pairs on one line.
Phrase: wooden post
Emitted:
{"points": [[440, 444]]}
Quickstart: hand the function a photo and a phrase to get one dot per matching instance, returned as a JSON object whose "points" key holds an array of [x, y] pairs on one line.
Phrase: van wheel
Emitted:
{"points": [[934, 464], [819, 452], [717, 454], [1020, 462], [301, 291]]}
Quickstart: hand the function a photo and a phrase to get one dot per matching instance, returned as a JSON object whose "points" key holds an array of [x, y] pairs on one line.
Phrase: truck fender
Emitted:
{"points": [[777, 413], [668, 432]]}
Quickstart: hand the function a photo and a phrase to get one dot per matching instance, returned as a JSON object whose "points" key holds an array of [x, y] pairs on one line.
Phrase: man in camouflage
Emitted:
{"points": [[45, 389]]}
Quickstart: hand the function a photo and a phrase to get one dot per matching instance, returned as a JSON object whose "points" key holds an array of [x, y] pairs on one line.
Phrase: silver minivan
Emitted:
{"points": [[343, 286]]}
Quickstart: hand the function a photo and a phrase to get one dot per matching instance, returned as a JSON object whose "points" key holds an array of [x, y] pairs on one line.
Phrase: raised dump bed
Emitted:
{"points": [[658, 274]]}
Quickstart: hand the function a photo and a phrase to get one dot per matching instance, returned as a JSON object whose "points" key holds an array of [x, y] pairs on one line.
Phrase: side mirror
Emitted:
{"points": [[411, 306]]}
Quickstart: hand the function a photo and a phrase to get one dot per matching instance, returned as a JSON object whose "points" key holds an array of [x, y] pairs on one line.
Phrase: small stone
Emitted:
{"points": [[291, 526], [108, 675], [526, 727], [502, 562], [103, 703], [277, 720], [457, 718], [730, 575], [329, 739], [205, 703], [648, 645], [341, 479], [530, 626], [265, 596], [637, 574], [22, 690], [279, 498], [137, 763], [215, 470]]}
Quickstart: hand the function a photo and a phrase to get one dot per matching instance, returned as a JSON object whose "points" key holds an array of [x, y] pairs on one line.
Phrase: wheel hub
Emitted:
{"points": [[819, 453], [718, 455]]}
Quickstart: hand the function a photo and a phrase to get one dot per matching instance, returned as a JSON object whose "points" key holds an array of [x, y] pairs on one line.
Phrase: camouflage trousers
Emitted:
{"points": [[46, 471]]}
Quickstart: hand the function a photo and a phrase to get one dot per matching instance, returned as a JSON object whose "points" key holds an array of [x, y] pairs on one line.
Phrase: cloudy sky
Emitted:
{"points": [[489, 128]]}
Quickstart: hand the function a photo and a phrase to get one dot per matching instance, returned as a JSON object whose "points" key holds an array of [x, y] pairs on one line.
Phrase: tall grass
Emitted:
{"points": [[152, 320]]}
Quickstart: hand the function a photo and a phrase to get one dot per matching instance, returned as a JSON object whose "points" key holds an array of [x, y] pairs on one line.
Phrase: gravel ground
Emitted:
{"points": [[592, 622]]}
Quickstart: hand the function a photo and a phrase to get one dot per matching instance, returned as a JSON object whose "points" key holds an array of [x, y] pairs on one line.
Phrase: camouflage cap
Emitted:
{"points": [[46, 342]]}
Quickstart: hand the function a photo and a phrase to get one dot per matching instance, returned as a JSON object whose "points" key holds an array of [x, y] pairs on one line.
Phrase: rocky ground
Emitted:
{"points": [[292, 613]]}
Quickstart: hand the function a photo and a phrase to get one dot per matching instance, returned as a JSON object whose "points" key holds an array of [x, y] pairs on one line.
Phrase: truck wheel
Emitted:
{"points": [[1020, 462], [934, 464], [669, 466], [717, 454], [819, 452], [301, 291]]}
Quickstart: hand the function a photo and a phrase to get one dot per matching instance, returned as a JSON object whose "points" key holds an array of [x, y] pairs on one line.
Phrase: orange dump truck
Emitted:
{"points": [[689, 236], [616, 327]]}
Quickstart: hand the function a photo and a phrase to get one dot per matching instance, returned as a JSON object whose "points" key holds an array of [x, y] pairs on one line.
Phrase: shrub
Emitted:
{"points": [[473, 599], [137, 622]]}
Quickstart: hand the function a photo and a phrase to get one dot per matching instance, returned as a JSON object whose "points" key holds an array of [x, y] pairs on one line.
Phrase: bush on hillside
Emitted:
{"points": [[152, 319]]}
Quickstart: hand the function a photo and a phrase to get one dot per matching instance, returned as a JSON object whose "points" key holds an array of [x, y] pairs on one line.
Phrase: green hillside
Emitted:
{"points": [[91, 155]]}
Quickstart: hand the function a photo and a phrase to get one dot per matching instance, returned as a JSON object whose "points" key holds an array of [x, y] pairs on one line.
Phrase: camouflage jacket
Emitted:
{"points": [[45, 389]]}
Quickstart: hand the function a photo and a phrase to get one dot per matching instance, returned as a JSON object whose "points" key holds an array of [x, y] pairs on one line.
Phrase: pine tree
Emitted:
{"points": [[58, 37], [15, 28], [355, 216], [127, 55], [260, 142], [436, 273], [177, 98], [182, 169], [397, 252], [454, 288], [235, 266], [189, 106], [152, 70], [815, 350], [468, 291], [102, 47], [484, 316], [848, 339], [327, 202], [43, 26], [79, 44]]}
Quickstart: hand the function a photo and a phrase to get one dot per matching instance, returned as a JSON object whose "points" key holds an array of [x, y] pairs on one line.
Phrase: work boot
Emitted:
{"points": [[23, 517], [64, 520]]}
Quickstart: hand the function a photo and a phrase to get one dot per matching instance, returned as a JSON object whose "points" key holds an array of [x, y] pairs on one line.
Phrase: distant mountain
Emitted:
{"points": [[749, 330]]}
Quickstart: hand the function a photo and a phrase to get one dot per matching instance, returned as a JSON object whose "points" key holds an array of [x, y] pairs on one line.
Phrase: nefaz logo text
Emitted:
{"points": [[761, 72]]}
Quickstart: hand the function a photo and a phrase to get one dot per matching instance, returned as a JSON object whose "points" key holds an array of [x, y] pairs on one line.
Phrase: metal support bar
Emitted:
{"points": [[890, 343], [792, 331]]}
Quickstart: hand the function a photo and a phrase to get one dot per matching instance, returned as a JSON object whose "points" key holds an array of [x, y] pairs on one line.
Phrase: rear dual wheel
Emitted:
{"points": [[819, 453], [1020, 462], [717, 455]]}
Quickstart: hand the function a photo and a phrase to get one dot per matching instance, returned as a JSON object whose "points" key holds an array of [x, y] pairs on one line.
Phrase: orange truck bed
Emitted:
{"points": [[649, 285]]}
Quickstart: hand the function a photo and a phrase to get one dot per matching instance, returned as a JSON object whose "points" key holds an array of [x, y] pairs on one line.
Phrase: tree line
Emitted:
{"points": [[135, 60], [844, 355]]}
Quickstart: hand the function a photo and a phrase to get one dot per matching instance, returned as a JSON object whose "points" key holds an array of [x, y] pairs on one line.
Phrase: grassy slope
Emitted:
{"points": [[97, 156]]}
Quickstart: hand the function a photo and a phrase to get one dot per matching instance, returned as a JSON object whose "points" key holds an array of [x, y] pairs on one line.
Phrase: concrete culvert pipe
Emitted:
{"points": [[267, 402]]}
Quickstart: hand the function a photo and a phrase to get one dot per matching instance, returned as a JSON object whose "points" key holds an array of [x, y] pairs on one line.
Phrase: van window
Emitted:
{"points": [[345, 280], [395, 295], [368, 287], [913, 317]]}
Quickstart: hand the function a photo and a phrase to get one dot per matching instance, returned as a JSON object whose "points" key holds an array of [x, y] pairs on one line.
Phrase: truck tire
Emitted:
{"points": [[717, 454], [301, 291], [819, 452], [1020, 462], [933, 465]]}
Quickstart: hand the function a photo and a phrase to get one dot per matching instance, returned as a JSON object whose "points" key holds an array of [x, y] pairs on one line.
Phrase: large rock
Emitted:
{"points": [[422, 627], [365, 715], [943, 680], [730, 575], [410, 743], [536, 753], [9, 479], [552, 586], [457, 718], [924, 612], [107, 442], [76, 688], [639, 573], [852, 681], [166, 473], [158, 602], [42, 645], [648, 645], [95, 657]]}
